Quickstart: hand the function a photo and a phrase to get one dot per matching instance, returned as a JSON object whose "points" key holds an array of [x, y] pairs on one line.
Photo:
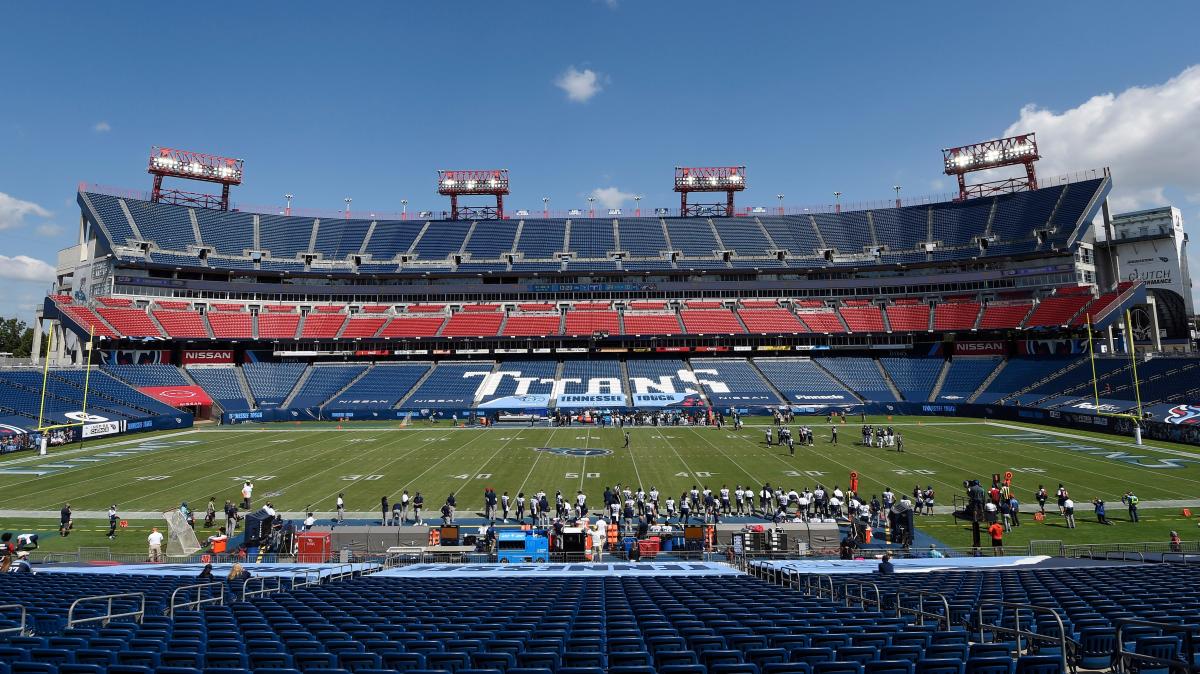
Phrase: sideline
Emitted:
{"points": [[1119, 443]]}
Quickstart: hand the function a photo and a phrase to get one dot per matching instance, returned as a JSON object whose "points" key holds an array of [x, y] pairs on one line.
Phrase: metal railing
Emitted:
{"points": [[919, 611], [138, 615], [20, 630], [1029, 636], [307, 577], [217, 598], [861, 598], [264, 588], [1132, 661]]}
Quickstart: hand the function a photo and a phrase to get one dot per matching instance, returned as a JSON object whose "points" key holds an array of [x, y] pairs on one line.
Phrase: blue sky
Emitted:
{"points": [[329, 100]]}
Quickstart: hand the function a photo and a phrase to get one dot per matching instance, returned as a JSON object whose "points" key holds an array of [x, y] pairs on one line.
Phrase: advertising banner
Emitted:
{"points": [[578, 400], [994, 347], [102, 428], [210, 356]]}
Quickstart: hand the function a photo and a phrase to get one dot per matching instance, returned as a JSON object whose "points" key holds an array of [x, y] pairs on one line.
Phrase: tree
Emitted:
{"points": [[16, 337]]}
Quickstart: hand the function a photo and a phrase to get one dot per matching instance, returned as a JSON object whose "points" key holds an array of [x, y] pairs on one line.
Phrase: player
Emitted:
{"points": [[725, 500], [341, 508], [670, 509], [112, 522], [247, 493], [833, 434], [64, 520], [418, 504], [770, 434], [899, 441], [626, 439], [739, 496]]}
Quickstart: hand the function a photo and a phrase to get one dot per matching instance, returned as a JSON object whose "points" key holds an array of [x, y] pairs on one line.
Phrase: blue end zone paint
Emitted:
{"points": [[839, 566]]}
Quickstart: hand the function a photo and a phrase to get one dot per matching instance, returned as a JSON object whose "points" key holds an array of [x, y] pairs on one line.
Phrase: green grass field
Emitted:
{"points": [[301, 466]]}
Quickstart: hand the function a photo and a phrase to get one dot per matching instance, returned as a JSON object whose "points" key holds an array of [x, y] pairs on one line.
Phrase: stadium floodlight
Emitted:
{"points": [[1011, 151], [637, 210], [491, 182], [288, 209], [727, 179], [169, 162]]}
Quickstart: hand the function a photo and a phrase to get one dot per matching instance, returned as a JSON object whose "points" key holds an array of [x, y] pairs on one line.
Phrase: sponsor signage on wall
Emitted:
{"points": [[980, 348], [215, 356]]}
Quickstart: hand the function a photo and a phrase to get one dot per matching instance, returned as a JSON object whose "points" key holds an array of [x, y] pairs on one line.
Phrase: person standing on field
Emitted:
{"points": [[247, 493], [154, 542], [112, 522]]}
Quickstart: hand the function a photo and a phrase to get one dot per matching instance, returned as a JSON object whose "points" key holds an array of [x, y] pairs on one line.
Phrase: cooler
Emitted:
{"points": [[648, 548], [313, 547]]}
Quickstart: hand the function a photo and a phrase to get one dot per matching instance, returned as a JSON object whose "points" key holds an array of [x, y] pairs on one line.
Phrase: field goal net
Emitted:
{"points": [[181, 539]]}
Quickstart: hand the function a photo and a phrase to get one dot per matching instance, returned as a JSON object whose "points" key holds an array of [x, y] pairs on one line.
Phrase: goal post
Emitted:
{"points": [[1137, 391]]}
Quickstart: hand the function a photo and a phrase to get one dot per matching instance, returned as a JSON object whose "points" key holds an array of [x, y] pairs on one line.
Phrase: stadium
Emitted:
{"points": [[954, 434]]}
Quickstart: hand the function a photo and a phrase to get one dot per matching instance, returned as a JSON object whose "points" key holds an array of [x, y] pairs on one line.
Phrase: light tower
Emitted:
{"points": [[1012, 151], [545, 207], [837, 202], [347, 200], [404, 209], [288, 209], [224, 171], [727, 179], [591, 206], [897, 188], [473, 182], [780, 198]]}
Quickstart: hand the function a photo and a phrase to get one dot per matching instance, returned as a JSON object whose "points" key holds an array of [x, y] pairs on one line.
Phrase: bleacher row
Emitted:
{"points": [[124, 317], [665, 624], [724, 382], [1028, 222], [22, 401]]}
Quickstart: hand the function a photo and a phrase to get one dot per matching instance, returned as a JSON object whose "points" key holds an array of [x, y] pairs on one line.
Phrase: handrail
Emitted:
{"points": [[819, 580], [341, 572], [920, 611], [305, 574], [199, 601], [862, 598], [1016, 630], [263, 588], [109, 615], [1123, 658], [20, 631]]}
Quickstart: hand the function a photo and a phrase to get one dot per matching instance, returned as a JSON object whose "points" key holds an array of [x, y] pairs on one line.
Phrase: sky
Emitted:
{"points": [[576, 98]]}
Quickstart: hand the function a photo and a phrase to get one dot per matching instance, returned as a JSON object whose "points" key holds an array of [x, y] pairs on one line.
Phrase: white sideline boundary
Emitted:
{"points": [[1088, 438]]}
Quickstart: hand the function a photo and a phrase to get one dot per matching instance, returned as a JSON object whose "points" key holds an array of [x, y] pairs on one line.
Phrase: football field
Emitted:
{"points": [[305, 466]]}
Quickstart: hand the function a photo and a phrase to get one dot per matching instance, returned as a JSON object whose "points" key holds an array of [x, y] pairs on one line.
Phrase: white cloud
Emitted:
{"points": [[102, 127], [48, 229], [25, 268], [14, 210], [580, 85], [611, 197], [1148, 135]]}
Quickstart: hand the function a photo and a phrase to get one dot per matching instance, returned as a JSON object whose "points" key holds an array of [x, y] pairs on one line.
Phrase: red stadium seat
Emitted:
{"points": [[468, 324], [651, 324], [358, 327], [532, 325], [711, 322], [863, 318], [1001, 316], [230, 324], [413, 326], [130, 322], [825, 321], [182, 324], [955, 315], [908, 317], [322, 326], [769, 321], [278, 326], [582, 323]]}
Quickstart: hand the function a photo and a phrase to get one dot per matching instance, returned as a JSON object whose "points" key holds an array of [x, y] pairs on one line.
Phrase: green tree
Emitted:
{"points": [[16, 337]]}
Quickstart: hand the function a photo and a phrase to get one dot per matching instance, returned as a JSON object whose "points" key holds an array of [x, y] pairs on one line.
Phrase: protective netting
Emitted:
{"points": [[181, 539]]}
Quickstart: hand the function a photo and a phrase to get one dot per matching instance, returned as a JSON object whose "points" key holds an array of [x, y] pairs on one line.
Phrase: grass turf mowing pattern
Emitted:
{"points": [[307, 465]]}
